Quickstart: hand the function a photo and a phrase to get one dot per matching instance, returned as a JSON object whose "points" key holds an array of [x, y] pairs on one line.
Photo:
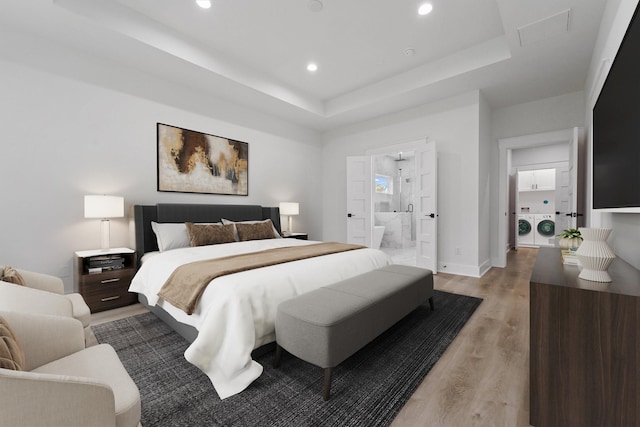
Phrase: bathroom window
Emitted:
{"points": [[384, 184]]}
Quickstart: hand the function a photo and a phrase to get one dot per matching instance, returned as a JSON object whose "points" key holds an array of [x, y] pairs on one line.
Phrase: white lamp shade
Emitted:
{"points": [[103, 207], [289, 208]]}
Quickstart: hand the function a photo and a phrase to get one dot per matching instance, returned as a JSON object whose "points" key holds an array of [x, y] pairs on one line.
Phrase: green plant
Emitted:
{"points": [[570, 233]]}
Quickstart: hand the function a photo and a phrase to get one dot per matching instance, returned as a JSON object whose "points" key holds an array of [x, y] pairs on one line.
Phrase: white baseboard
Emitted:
{"points": [[464, 269]]}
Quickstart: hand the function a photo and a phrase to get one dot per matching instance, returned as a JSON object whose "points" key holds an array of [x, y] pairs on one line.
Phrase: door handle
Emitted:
{"points": [[350, 215], [432, 215]]}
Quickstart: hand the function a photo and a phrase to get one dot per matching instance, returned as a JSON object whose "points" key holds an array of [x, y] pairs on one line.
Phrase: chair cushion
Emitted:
{"points": [[11, 353], [101, 363], [28, 300], [11, 275]]}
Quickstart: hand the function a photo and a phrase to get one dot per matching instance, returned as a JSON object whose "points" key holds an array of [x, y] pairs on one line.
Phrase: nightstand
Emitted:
{"points": [[103, 277], [299, 236]]}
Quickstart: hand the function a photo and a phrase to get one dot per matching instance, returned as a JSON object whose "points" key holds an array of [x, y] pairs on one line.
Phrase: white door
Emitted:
{"points": [[563, 199], [427, 214], [514, 208], [359, 184], [572, 212]]}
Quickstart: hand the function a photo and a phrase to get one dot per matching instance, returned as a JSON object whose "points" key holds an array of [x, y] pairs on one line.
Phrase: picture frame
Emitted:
{"points": [[195, 162]]}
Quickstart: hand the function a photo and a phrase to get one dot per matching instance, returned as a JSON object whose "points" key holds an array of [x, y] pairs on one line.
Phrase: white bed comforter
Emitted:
{"points": [[236, 313]]}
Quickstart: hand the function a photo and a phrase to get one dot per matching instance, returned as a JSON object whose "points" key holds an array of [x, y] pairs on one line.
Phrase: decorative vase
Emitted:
{"points": [[595, 255], [569, 243]]}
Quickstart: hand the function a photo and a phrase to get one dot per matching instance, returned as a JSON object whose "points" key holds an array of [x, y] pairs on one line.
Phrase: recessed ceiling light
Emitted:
{"points": [[205, 4], [312, 67], [425, 8], [409, 51], [315, 5]]}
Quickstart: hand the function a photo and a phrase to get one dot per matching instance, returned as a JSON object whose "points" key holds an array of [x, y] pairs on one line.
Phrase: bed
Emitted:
{"points": [[235, 314]]}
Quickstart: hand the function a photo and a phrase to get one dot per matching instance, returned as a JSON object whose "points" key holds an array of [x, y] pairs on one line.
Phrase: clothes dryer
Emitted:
{"points": [[545, 230], [526, 233]]}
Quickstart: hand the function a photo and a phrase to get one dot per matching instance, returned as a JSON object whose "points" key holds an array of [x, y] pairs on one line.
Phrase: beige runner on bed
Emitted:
{"points": [[187, 283]]}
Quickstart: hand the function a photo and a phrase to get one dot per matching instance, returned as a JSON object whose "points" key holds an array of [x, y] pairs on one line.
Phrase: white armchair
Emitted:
{"points": [[64, 383], [43, 294]]}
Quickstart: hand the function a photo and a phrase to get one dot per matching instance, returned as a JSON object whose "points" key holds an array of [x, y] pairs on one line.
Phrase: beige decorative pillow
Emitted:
{"points": [[12, 276], [276, 234], [209, 234], [257, 231], [11, 354]]}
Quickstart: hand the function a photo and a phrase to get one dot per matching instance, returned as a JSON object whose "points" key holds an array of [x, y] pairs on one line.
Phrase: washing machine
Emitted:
{"points": [[525, 230], [545, 230]]}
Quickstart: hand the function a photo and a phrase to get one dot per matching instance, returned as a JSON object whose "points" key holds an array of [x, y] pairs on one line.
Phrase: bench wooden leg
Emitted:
{"points": [[431, 304], [276, 359], [326, 389]]}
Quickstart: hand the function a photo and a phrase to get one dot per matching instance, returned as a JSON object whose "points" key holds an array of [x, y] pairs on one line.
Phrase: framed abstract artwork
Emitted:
{"points": [[196, 162]]}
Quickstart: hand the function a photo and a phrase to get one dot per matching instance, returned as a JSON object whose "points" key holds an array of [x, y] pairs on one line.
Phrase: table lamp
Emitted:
{"points": [[289, 209], [104, 207]]}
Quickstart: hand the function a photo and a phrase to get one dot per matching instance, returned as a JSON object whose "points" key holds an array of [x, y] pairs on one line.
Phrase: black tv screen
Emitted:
{"points": [[616, 128]]}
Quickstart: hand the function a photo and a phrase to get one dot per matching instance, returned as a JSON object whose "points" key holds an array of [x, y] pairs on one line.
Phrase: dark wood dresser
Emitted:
{"points": [[585, 345]]}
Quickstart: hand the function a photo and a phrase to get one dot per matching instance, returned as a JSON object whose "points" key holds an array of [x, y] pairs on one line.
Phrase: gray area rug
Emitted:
{"points": [[368, 389]]}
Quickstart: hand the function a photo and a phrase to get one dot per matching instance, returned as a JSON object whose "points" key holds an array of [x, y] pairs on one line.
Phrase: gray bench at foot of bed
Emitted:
{"points": [[326, 326]]}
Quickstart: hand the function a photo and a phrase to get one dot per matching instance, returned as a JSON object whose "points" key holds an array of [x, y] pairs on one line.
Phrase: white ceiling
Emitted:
{"points": [[255, 52]]}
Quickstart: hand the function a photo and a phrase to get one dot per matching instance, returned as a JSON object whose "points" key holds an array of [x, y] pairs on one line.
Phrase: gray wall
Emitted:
{"points": [[454, 124], [63, 138], [550, 114]]}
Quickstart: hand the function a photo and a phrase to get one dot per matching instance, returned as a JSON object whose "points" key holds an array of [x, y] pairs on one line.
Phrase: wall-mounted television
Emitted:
{"points": [[616, 129]]}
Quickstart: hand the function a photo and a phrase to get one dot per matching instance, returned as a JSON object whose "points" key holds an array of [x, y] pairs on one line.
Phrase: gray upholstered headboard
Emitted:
{"points": [[179, 212]]}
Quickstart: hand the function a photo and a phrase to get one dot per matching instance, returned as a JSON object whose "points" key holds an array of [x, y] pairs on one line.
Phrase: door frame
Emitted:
{"points": [[505, 146]]}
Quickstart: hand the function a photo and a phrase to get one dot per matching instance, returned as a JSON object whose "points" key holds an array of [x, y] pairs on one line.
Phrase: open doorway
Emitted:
{"points": [[424, 219], [572, 179], [393, 197]]}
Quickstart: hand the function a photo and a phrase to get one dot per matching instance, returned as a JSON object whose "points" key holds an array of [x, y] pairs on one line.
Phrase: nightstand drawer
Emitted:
{"points": [[106, 278], [105, 296]]}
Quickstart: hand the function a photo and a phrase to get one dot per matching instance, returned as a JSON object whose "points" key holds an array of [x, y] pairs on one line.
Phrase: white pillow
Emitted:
{"points": [[170, 235], [276, 235]]}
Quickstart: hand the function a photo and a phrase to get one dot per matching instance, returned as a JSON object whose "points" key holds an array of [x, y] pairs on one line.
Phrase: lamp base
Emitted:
{"points": [[105, 233]]}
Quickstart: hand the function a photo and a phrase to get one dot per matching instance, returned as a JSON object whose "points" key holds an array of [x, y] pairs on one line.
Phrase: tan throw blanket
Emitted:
{"points": [[187, 283]]}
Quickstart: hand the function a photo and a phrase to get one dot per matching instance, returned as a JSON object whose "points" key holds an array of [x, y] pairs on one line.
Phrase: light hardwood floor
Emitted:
{"points": [[483, 377]]}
